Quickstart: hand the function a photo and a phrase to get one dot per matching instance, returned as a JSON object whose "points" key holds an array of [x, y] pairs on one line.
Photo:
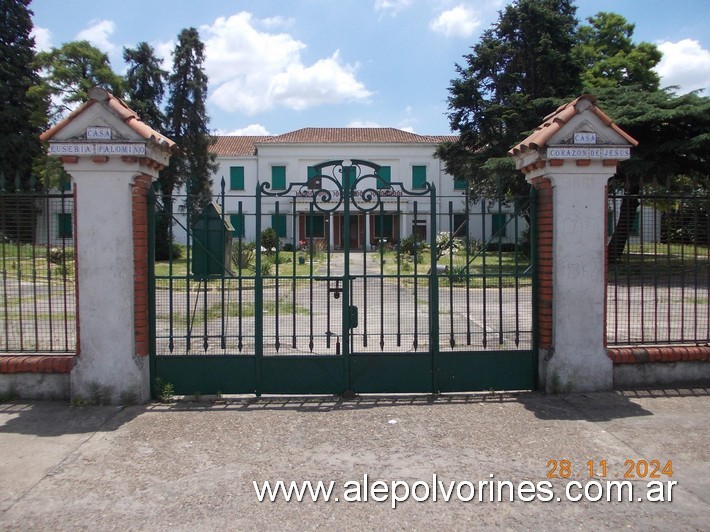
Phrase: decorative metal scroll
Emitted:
{"points": [[328, 199]]}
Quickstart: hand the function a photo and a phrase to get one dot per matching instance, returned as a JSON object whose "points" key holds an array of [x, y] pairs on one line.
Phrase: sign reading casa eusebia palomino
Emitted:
{"points": [[96, 148], [589, 152]]}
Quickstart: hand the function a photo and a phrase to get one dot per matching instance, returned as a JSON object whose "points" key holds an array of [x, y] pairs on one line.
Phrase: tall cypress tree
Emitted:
{"points": [[145, 84], [22, 118], [21, 113], [188, 124]]}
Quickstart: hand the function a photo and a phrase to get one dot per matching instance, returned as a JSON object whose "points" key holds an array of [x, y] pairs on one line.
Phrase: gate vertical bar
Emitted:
{"points": [[346, 279], [433, 298], [258, 298]]}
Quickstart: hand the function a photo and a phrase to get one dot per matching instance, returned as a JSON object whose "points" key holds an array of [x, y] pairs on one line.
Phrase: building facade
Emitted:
{"points": [[289, 163]]}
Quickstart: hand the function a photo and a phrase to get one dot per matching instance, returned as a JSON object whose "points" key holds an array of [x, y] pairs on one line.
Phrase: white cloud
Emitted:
{"points": [[253, 71], [250, 130], [391, 7], [99, 34], [363, 123], [43, 38], [686, 64], [460, 21]]}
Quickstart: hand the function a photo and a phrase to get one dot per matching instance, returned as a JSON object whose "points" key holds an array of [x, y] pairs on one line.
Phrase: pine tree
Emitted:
{"points": [[520, 71], [70, 71], [188, 126], [145, 84], [21, 112]]}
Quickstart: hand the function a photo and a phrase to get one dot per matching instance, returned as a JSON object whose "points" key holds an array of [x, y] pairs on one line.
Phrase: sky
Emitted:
{"points": [[275, 66]]}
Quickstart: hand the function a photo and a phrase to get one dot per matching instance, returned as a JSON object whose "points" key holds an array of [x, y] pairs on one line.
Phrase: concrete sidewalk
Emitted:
{"points": [[190, 466]]}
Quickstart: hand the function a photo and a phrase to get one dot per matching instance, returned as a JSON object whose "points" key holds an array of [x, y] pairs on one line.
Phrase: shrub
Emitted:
{"points": [[243, 254], [413, 247], [269, 239]]}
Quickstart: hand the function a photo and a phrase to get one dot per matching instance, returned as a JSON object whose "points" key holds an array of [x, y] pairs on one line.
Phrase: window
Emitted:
{"points": [[278, 222], [418, 177], [498, 225], [65, 226], [315, 225], [313, 183], [460, 183], [237, 221], [236, 178], [385, 174], [382, 225], [278, 177]]}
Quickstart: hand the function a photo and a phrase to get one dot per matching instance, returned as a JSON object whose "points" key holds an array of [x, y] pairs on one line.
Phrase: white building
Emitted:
{"points": [[402, 157]]}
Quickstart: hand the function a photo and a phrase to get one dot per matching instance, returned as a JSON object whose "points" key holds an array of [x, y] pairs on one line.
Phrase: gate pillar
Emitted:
{"points": [[569, 159], [113, 158]]}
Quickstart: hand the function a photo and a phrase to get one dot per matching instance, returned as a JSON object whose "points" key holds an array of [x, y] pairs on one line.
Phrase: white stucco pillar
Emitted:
{"points": [[109, 356], [579, 360], [367, 231], [113, 158], [569, 160]]}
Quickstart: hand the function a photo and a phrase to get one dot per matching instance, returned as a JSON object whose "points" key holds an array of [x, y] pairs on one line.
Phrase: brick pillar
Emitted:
{"points": [[544, 261], [141, 187]]}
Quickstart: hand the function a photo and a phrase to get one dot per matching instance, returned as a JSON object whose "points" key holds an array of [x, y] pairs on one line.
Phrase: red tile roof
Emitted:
{"points": [[119, 107], [236, 146], [555, 121], [354, 135], [246, 146]]}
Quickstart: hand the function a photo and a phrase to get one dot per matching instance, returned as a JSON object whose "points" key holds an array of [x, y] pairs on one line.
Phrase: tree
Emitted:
{"points": [[22, 118], [145, 82], [21, 110], [610, 57], [188, 127], [674, 146], [70, 71], [520, 71]]}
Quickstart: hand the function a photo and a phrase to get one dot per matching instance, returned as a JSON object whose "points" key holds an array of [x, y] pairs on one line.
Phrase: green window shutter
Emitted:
{"points": [[237, 221], [65, 186], [278, 222], [278, 177], [385, 174], [312, 172], [315, 226], [418, 177], [65, 226], [236, 178], [498, 225], [383, 225], [460, 184]]}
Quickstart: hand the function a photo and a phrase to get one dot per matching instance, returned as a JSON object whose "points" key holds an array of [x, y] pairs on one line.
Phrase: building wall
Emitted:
{"points": [[400, 158]]}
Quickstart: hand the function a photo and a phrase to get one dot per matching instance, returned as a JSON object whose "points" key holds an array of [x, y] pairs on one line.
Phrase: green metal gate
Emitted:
{"points": [[361, 285]]}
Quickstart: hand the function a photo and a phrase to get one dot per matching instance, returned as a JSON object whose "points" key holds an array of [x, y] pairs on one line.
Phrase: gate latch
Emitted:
{"points": [[336, 290], [353, 316]]}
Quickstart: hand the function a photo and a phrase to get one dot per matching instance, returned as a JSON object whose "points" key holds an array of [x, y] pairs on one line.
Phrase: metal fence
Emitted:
{"points": [[658, 289], [37, 269], [483, 297]]}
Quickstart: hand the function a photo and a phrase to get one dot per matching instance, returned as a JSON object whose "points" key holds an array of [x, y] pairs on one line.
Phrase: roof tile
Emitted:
{"points": [[119, 107], [555, 121]]}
